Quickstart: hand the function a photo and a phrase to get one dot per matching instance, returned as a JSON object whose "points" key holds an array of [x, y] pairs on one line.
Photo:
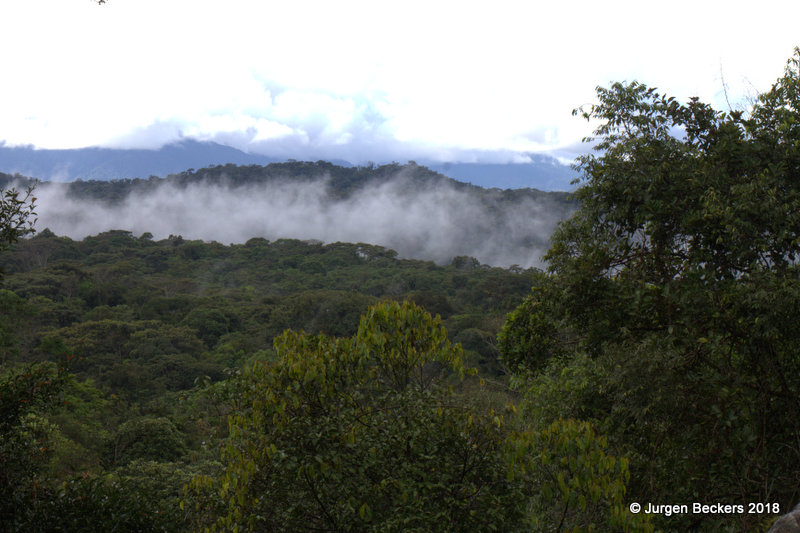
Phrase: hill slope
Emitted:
{"points": [[408, 208], [542, 172]]}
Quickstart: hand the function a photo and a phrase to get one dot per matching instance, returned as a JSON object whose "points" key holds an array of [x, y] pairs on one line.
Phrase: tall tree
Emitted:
{"points": [[17, 215], [361, 434], [367, 434], [669, 316]]}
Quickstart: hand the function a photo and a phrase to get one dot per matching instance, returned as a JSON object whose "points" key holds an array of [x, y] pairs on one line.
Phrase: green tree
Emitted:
{"points": [[363, 434], [147, 438], [25, 394], [31, 500], [669, 319], [579, 487], [13, 310], [17, 216], [16, 212]]}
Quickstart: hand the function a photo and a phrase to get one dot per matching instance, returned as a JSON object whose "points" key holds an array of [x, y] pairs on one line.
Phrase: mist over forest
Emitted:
{"points": [[155, 378], [414, 211]]}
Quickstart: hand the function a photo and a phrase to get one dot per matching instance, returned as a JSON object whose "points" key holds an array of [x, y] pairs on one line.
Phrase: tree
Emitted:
{"points": [[363, 434], [17, 216], [368, 434], [669, 317], [24, 446], [578, 487], [146, 438]]}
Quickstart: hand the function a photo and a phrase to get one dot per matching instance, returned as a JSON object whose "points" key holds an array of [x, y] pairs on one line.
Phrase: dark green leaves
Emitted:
{"points": [[677, 278], [363, 434]]}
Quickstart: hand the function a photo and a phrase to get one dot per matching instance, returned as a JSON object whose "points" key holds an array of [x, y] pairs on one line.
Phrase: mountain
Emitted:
{"points": [[113, 163], [543, 172], [411, 209]]}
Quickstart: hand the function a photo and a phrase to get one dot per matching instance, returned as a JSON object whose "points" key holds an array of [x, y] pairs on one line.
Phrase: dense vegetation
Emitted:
{"points": [[149, 325], [669, 318], [408, 208], [655, 362], [341, 181]]}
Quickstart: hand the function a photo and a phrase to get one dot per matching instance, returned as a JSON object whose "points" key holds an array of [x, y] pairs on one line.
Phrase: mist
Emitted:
{"points": [[435, 222]]}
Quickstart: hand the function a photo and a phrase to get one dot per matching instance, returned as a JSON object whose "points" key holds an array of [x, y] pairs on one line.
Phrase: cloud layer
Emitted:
{"points": [[432, 223], [362, 81]]}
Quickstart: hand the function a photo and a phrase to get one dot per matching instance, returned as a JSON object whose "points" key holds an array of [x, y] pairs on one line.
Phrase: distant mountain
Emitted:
{"points": [[409, 208], [111, 163], [341, 182], [543, 172]]}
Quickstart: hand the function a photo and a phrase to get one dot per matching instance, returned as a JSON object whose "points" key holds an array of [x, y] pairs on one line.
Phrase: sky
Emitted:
{"points": [[367, 81]]}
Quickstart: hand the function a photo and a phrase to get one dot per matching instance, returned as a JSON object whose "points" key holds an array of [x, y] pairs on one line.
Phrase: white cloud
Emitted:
{"points": [[430, 76]]}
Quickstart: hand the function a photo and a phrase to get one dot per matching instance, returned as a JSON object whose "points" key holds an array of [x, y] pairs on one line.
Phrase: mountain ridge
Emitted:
{"points": [[341, 181], [102, 164], [409, 208]]}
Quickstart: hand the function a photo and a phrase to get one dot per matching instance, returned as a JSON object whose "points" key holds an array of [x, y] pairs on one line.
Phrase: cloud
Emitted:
{"points": [[281, 122], [357, 81], [432, 223]]}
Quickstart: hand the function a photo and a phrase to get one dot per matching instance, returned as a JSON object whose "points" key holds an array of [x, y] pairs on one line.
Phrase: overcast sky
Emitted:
{"points": [[365, 80]]}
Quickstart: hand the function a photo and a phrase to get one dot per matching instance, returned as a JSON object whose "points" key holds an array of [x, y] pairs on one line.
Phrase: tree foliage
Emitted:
{"points": [[678, 278], [362, 434], [367, 433], [17, 216], [24, 443], [579, 487]]}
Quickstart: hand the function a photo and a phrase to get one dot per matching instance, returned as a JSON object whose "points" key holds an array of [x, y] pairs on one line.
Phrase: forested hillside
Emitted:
{"points": [[341, 181], [218, 306], [148, 326], [408, 208], [649, 381], [537, 170], [669, 316]]}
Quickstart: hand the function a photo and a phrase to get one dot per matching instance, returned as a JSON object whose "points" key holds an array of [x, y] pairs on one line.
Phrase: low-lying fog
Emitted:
{"points": [[436, 222]]}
